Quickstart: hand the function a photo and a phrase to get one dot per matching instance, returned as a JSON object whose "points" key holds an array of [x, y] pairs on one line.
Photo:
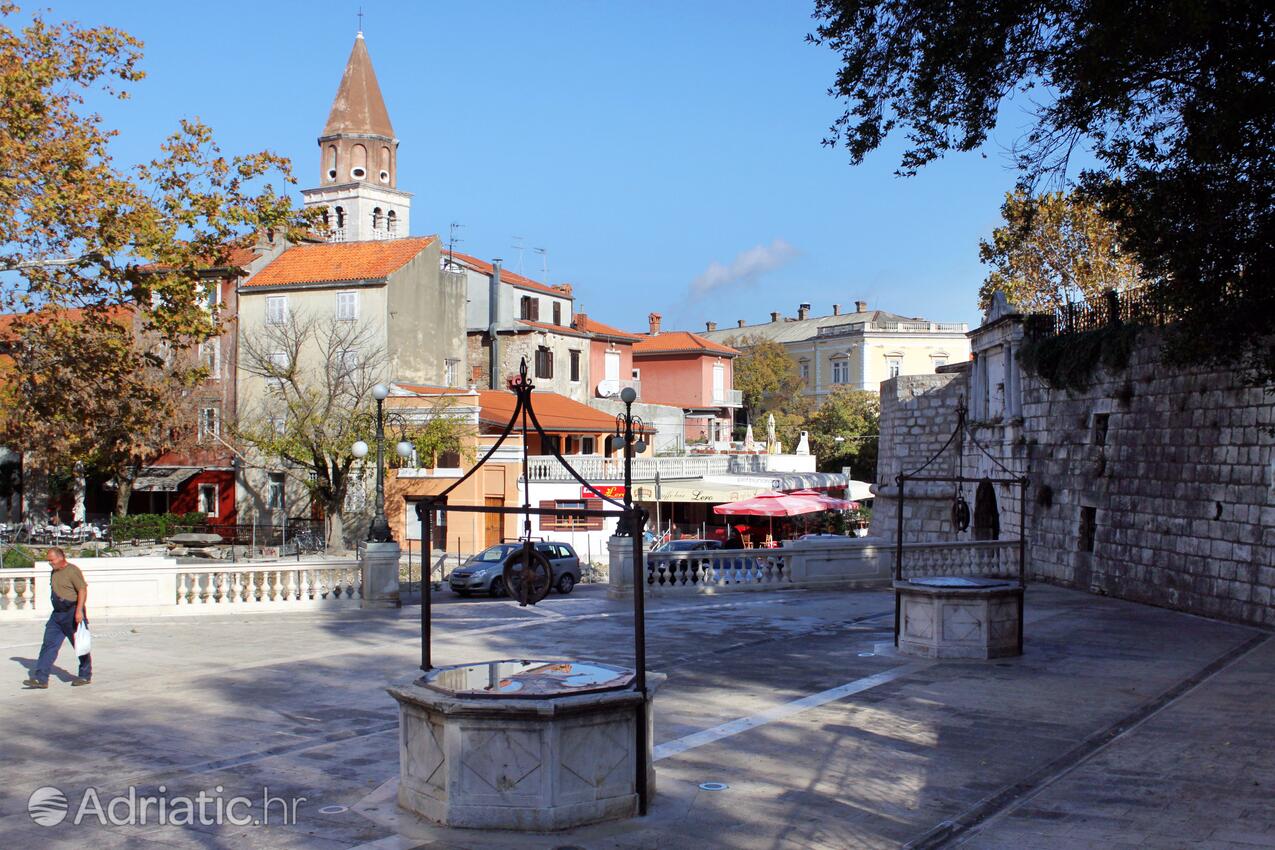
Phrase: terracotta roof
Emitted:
{"points": [[582, 322], [358, 106], [551, 328], [555, 412], [120, 314], [511, 278], [668, 342], [337, 261]]}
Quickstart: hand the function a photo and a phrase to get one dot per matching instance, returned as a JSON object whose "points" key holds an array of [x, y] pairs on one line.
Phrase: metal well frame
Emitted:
{"points": [[632, 520]]}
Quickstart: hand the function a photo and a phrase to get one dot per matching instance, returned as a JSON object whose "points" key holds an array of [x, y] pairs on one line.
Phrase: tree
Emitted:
{"points": [[843, 432], [86, 392], [1175, 102], [91, 240], [769, 379], [317, 402], [1053, 249]]}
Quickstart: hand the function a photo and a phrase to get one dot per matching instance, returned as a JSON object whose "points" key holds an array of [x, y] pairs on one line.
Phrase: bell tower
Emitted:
{"points": [[358, 158]]}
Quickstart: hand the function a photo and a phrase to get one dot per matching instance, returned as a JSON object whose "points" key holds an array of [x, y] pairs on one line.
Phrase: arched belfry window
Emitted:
{"points": [[391, 222], [358, 169], [376, 218], [331, 162]]}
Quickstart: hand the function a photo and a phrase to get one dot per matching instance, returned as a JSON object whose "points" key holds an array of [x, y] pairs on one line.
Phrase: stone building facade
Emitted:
{"points": [[1154, 484]]}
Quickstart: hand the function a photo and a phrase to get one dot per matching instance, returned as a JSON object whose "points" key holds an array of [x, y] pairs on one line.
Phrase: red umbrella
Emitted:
{"points": [[830, 503], [772, 505]]}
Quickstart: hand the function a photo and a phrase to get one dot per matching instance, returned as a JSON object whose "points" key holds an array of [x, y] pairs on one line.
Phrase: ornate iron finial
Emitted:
{"points": [[519, 383]]}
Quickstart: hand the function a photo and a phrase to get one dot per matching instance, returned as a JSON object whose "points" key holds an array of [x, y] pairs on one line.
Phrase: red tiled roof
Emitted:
{"points": [[511, 278], [117, 313], [336, 261], [557, 329], [555, 412], [426, 389], [680, 341], [593, 326]]}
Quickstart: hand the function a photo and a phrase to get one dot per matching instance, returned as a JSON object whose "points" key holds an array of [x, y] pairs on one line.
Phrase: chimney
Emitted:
{"points": [[803, 312], [739, 323], [654, 321], [861, 306], [579, 320], [710, 326], [493, 312], [836, 309], [774, 317]]}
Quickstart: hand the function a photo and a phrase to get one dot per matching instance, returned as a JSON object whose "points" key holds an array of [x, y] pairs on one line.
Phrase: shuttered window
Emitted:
{"points": [[552, 522]]}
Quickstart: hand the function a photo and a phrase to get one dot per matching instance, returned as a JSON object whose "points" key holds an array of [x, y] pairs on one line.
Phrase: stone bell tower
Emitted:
{"points": [[358, 185]]}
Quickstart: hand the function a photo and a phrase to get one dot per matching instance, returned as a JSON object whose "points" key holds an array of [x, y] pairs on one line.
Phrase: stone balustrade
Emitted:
{"points": [[162, 587], [959, 558]]}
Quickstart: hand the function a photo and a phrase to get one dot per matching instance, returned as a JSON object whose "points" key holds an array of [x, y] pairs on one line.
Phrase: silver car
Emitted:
{"points": [[484, 572]]}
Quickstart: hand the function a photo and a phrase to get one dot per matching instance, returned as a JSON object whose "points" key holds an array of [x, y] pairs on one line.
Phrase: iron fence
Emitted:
{"points": [[1134, 306]]}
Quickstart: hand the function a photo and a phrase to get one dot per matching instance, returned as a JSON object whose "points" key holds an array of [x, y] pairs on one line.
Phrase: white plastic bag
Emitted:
{"points": [[83, 640]]}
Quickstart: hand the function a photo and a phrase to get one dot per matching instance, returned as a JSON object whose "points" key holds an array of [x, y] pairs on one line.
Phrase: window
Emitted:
{"points": [[208, 499], [804, 367], [557, 313], [348, 360], [611, 365], [939, 360], [209, 423], [841, 371], [586, 446], [340, 217], [719, 382], [894, 365], [210, 295], [575, 365], [279, 424], [376, 218], [276, 309], [391, 218], [279, 361], [552, 522], [275, 492], [210, 357], [1088, 528], [347, 306], [544, 362], [451, 372], [1101, 423], [529, 308]]}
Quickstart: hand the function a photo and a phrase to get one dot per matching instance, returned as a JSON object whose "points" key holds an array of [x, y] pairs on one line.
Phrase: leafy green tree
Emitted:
{"points": [[843, 432], [769, 379], [1053, 249], [1175, 101], [110, 263]]}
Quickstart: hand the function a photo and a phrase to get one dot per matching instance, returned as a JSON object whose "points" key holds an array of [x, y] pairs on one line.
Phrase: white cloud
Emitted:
{"points": [[747, 266]]}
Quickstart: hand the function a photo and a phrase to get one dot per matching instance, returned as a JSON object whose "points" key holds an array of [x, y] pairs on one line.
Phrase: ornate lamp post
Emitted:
{"points": [[379, 530], [629, 428]]}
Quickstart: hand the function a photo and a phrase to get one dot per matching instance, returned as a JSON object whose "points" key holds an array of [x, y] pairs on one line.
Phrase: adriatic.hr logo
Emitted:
{"points": [[47, 806]]}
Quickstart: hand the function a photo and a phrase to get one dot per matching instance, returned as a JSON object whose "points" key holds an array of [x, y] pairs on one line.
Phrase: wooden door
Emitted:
{"points": [[494, 524]]}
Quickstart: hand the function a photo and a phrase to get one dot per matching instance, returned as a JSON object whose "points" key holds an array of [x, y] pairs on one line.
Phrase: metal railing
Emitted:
{"points": [[1133, 306], [919, 327], [729, 398]]}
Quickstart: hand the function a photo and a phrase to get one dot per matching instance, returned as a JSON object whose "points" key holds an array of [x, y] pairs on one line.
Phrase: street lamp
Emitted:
{"points": [[628, 428], [379, 530]]}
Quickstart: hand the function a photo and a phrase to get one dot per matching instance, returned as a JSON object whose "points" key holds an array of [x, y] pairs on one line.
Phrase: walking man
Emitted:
{"points": [[70, 594]]}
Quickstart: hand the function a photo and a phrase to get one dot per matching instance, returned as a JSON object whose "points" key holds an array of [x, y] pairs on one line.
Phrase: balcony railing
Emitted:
{"points": [[893, 327], [336, 234], [598, 469], [729, 398]]}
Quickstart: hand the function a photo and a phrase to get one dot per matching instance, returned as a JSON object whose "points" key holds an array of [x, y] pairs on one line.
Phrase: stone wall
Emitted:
{"points": [[1155, 484]]}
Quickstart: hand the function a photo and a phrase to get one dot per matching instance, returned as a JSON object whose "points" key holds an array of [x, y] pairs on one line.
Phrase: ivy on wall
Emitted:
{"points": [[1069, 361]]}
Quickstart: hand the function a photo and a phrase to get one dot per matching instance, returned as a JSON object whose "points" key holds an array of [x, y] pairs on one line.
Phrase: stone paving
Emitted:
{"points": [[1123, 725]]}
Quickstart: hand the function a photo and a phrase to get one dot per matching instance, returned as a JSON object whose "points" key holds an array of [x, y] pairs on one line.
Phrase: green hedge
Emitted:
{"points": [[18, 558], [153, 526]]}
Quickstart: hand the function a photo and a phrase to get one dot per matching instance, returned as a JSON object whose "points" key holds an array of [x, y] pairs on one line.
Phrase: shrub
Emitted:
{"points": [[18, 558], [153, 526]]}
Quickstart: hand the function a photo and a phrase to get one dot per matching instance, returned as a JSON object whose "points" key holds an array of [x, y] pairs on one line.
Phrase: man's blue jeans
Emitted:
{"points": [[61, 626]]}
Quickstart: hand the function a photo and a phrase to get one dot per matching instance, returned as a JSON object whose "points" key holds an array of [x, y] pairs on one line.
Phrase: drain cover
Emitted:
{"points": [[866, 654], [713, 786], [333, 810]]}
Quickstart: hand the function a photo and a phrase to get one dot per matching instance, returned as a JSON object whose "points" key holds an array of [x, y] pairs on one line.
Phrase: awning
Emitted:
{"points": [[164, 480], [708, 492]]}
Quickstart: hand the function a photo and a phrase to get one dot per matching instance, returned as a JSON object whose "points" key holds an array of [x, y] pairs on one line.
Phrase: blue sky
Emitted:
{"points": [[667, 155]]}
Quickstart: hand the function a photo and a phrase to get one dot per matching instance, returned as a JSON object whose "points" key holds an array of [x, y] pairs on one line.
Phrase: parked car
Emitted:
{"points": [[675, 547], [484, 572]]}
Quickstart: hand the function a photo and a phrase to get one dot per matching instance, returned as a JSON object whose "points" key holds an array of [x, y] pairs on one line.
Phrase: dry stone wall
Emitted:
{"points": [[1154, 484]]}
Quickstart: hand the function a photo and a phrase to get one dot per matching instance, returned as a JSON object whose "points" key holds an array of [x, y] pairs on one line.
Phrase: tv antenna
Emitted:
{"points": [[452, 241], [518, 246], [544, 263]]}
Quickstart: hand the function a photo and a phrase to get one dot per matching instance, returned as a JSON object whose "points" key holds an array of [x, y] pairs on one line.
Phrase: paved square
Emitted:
{"points": [[1122, 725]]}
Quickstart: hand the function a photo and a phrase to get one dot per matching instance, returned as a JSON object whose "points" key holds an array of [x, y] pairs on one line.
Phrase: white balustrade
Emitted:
{"points": [[282, 585], [718, 568], [18, 595], [960, 558]]}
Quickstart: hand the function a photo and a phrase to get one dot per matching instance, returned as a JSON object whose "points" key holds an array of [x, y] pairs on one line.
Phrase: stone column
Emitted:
{"points": [[620, 567], [380, 575]]}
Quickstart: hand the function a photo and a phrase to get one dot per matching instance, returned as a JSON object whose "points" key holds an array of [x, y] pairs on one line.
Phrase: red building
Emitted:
{"points": [[686, 370]]}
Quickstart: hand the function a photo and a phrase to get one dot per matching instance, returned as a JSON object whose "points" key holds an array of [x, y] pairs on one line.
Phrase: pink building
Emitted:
{"points": [[610, 357], [686, 370]]}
